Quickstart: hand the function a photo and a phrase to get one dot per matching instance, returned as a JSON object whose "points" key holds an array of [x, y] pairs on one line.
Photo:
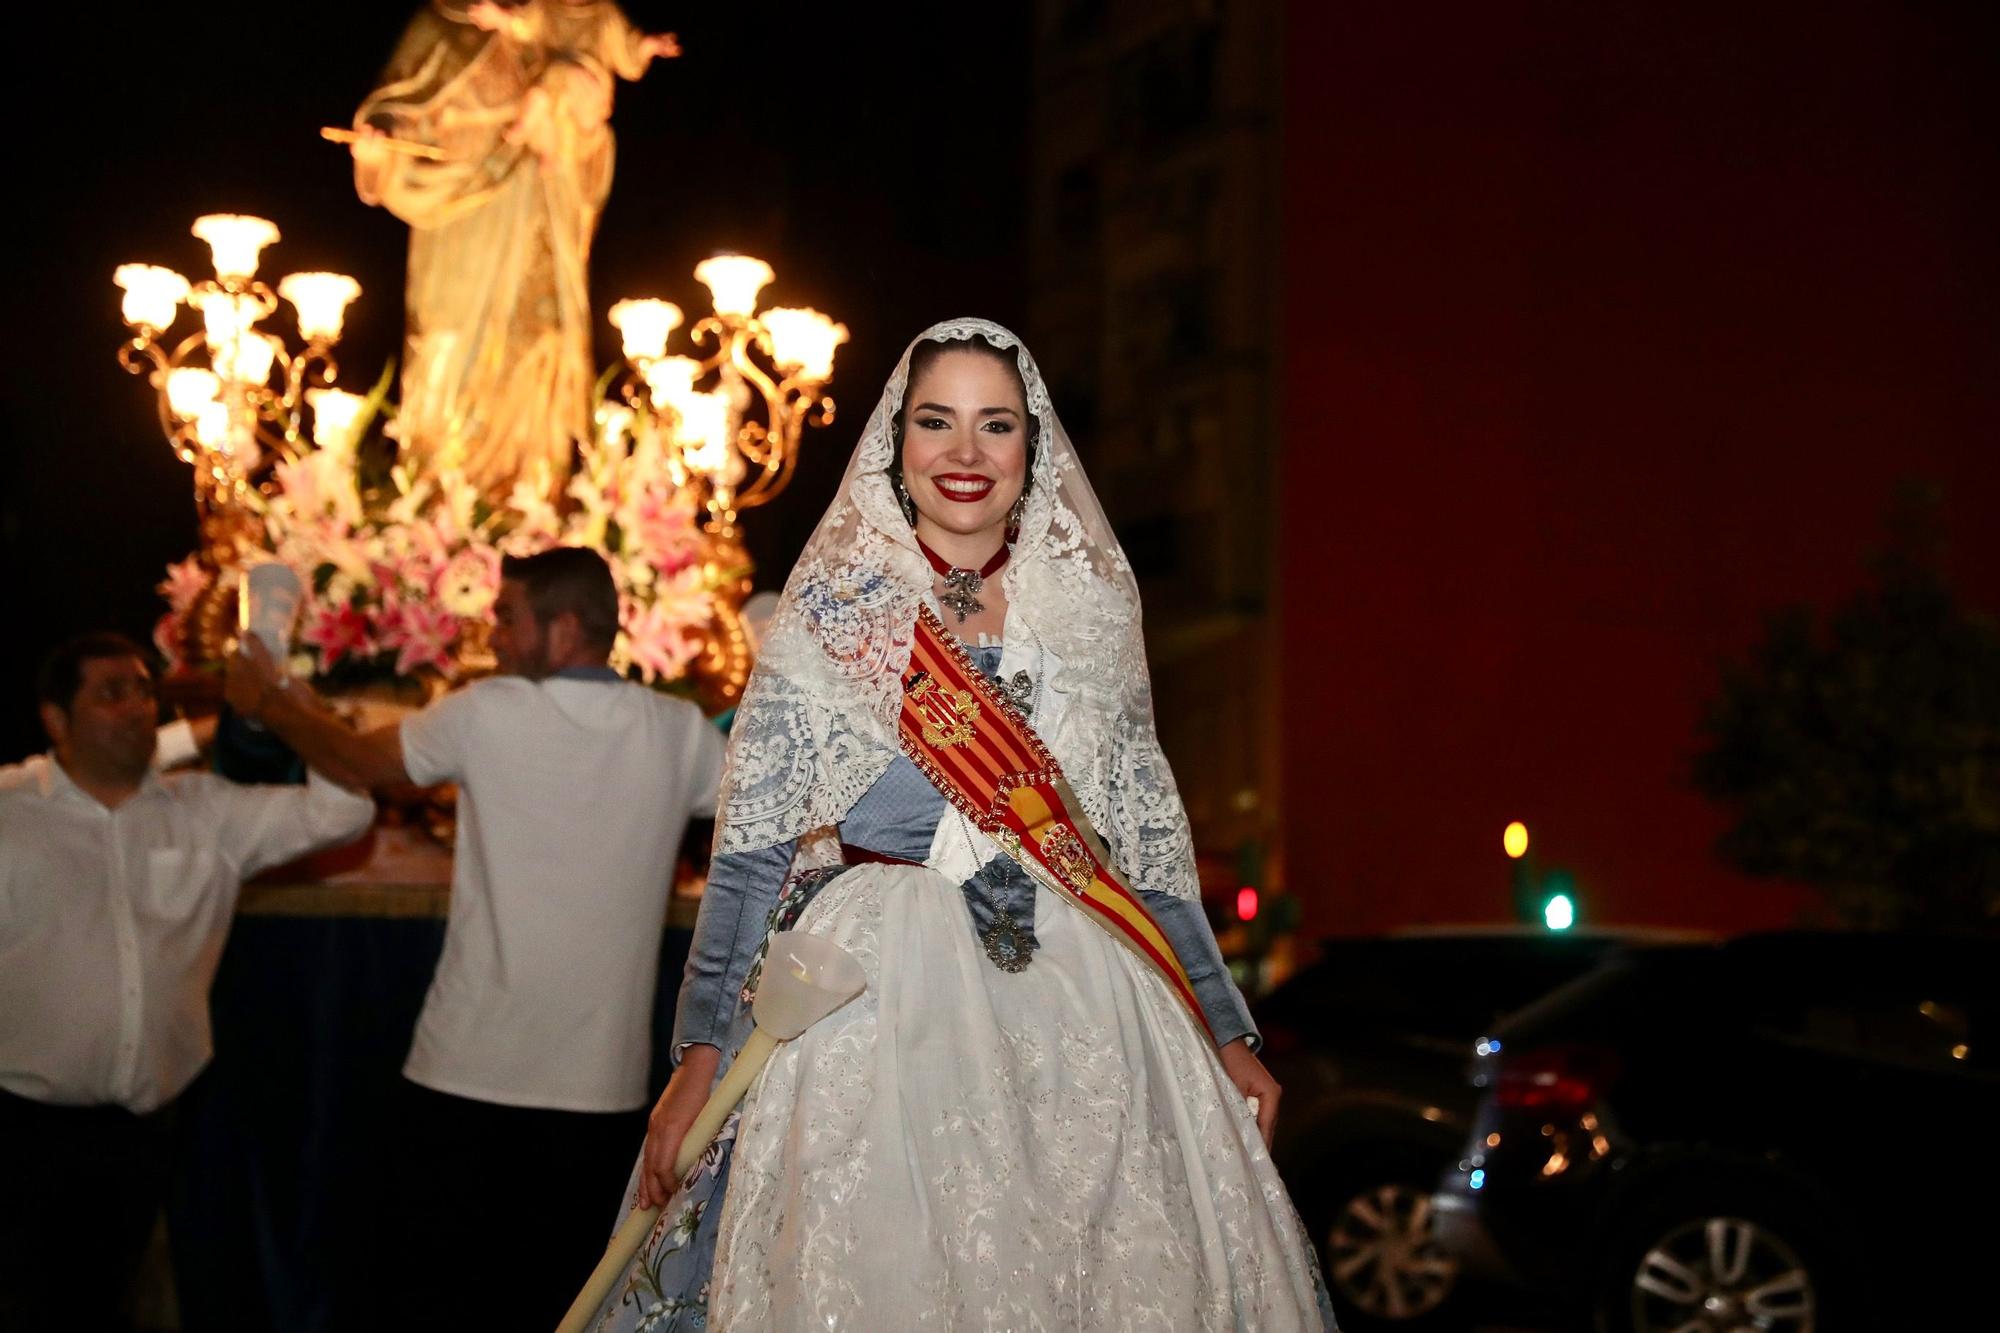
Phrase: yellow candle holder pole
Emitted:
{"points": [[805, 979]]}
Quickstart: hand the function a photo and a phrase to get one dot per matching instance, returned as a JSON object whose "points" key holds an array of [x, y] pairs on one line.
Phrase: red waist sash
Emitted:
{"points": [[855, 856], [977, 749]]}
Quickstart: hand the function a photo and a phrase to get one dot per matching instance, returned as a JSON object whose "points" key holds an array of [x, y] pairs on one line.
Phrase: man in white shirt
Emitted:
{"points": [[117, 885], [529, 1064]]}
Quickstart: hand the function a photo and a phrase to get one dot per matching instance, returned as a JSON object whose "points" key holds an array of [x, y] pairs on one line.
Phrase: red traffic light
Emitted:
{"points": [[1246, 903]]}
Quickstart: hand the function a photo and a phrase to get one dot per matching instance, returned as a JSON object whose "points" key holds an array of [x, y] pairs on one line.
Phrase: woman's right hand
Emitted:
{"points": [[686, 1094]]}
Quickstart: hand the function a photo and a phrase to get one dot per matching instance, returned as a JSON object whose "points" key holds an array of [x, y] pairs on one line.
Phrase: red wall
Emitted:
{"points": [[1609, 328]]}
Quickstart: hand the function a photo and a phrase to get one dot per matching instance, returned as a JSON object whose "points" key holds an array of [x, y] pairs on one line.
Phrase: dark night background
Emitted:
{"points": [[1612, 327], [1608, 328]]}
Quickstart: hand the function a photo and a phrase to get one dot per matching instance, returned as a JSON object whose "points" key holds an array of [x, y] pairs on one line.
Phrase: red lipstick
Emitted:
{"points": [[963, 487]]}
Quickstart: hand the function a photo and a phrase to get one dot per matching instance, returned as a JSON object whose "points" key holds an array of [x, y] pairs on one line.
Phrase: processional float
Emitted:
{"points": [[489, 134]]}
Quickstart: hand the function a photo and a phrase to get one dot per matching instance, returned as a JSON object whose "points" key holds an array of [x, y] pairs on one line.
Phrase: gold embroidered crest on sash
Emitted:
{"points": [[1065, 854], [948, 714]]}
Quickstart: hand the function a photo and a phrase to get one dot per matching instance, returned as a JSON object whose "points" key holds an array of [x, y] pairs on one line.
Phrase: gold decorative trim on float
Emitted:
{"points": [[379, 901]]}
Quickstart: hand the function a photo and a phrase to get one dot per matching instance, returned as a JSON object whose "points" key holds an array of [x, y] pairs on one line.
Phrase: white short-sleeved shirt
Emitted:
{"points": [[112, 921], [573, 794]]}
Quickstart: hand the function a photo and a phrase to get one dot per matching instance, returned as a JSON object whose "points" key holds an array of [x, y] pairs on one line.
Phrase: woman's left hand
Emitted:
{"points": [[1247, 1072]]}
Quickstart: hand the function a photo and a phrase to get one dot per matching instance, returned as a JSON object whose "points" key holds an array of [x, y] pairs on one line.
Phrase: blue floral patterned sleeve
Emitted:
{"points": [[1186, 928], [742, 889]]}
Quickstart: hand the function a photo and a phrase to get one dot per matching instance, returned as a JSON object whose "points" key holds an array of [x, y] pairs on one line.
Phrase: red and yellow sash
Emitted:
{"points": [[977, 748]]}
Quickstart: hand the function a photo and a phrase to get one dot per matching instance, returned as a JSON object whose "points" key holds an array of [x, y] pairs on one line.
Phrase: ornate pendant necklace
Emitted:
{"points": [[961, 586]]}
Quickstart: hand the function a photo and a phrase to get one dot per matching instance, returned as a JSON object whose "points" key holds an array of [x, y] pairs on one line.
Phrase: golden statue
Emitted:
{"points": [[489, 134]]}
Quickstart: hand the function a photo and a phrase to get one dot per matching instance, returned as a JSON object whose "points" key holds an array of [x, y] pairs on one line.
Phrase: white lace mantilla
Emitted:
{"points": [[817, 724]]}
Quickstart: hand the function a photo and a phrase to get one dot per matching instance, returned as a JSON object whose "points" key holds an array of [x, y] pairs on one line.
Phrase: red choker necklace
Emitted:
{"points": [[961, 590]]}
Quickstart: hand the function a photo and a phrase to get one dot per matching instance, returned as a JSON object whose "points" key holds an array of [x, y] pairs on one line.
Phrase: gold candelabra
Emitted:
{"points": [[724, 424], [735, 440], [219, 406]]}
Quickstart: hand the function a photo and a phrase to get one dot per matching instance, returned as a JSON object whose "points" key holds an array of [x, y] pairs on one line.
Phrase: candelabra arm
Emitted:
{"points": [[289, 411], [725, 336], [793, 409], [142, 355], [774, 399]]}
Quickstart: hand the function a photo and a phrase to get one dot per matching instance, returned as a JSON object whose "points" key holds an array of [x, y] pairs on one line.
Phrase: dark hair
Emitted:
{"points": [[569, 578], [62, 670], [924, 355]]}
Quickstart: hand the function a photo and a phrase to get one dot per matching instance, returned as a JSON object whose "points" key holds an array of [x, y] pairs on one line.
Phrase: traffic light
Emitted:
{"points": [[1541, 898], [1246, 903], [1251, 924], [1514, 841], [1557, 900]]}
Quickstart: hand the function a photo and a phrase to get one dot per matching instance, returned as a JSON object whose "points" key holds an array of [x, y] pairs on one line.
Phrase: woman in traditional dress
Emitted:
{"points": [[1039, 1113]]}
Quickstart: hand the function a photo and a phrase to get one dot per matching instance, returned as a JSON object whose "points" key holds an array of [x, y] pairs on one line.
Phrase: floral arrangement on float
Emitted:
{"points": [[400, 562], [397, 542]]}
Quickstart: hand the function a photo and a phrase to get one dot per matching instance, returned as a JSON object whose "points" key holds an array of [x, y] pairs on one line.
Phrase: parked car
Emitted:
{"points": [[1369, 1045], [1782, 1132]]}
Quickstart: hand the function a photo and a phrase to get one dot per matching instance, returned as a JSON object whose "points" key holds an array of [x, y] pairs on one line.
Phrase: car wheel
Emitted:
{"points": [[1729, 1259], [1379, 1253]]}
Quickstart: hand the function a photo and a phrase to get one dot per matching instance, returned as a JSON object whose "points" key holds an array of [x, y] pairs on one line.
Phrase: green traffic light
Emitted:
{"points": [[1548, 896]]}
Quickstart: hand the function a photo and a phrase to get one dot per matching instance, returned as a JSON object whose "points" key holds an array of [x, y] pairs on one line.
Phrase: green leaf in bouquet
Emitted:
{"points": [[603, 385]]}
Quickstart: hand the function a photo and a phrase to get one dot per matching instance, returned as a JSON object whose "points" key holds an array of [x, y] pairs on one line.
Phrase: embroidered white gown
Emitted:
{"points": [[965, 1148]]}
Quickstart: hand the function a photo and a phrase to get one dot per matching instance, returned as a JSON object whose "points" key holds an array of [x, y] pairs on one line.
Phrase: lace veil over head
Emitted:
{"points": [[817, 725]]}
